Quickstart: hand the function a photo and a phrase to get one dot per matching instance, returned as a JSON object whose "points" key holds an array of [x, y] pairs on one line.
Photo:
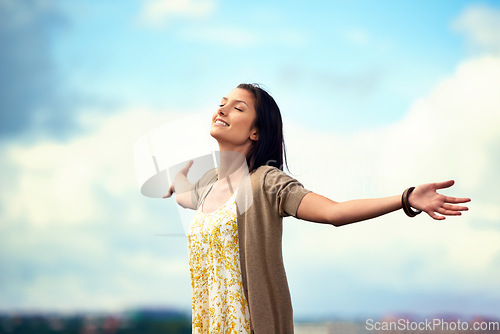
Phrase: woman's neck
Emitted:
{"points": [[232, 169], [232, 164]]}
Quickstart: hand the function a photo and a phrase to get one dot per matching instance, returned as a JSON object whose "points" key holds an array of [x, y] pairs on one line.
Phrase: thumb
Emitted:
{"points": [[444, 184], [186, 168]]}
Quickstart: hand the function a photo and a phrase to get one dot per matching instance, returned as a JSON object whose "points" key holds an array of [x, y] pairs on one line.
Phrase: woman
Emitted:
{"points": [[237, 273]]}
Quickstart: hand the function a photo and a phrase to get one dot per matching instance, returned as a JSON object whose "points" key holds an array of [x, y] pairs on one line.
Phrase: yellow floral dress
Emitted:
{"points": [[219, 303]]}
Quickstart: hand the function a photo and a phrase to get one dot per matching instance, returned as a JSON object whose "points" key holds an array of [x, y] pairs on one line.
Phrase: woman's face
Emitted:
{"points": [[232, 124]]}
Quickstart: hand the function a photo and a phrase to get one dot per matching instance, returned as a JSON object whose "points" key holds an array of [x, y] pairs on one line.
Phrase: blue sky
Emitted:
{"points": [[298, 49], [82, 80], [295, 49]]}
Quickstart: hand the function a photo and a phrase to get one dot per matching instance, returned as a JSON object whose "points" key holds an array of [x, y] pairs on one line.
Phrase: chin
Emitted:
{"points": [[214, 134]]}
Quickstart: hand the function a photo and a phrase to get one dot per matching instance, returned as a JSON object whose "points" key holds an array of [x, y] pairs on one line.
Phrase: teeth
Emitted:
{"points": [[221, 123]]}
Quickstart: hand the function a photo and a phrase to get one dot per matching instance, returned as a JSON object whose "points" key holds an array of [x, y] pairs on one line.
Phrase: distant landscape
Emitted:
{"points": [[157, 320], [134, 322]]}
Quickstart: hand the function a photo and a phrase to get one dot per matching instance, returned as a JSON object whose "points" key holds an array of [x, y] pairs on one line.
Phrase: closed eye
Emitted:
{"points": [[222, 105]]}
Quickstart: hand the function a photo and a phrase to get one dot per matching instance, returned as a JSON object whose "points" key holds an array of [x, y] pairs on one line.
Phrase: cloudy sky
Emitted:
{"points": [[376, 96]]}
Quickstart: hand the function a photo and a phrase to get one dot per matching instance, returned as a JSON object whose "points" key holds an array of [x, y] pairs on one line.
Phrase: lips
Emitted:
{"points": [[220, 122]]}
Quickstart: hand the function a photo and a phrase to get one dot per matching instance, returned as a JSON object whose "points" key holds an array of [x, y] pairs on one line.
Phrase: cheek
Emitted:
{"points": [[245, 122]]}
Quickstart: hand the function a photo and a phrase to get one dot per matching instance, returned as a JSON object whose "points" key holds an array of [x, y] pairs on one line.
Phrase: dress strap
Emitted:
{"points": [[203, 199]]}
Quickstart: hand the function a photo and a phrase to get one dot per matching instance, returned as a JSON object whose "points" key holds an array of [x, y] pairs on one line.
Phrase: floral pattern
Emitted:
{"points": [[219, 304]]}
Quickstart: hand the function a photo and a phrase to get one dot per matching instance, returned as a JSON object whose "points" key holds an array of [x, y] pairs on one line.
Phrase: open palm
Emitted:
{"points": [[426, 198]]}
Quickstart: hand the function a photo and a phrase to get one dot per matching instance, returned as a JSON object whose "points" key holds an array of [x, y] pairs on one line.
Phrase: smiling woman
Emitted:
{"points": [[267, 144], [237, 274], [233, 125]]}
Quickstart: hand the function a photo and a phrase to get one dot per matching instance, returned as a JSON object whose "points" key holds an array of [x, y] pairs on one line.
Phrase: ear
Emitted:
{"points": [[254, 135]]}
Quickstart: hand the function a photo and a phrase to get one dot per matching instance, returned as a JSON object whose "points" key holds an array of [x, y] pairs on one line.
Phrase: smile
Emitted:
{"points": [[220, 122]]}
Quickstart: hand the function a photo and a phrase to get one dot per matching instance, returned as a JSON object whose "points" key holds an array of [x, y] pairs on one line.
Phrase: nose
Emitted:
{"points": [[221, 111]]}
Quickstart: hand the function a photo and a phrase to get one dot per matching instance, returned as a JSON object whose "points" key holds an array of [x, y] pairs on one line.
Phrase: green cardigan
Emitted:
{"points": [[264, 197]]}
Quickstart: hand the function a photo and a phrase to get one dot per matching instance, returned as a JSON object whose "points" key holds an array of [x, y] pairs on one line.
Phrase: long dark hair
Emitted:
{"points": [[269, 149]]}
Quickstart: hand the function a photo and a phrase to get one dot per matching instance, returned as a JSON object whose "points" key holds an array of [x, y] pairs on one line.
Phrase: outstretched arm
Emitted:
{"points": [[317, 208], [182, 187]]}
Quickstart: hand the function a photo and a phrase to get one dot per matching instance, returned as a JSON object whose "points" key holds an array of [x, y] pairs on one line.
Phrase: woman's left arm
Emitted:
{"points": [[317, 208]]}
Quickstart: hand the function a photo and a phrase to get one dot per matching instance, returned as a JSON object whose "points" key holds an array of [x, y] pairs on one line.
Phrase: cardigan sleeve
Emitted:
{"points": [[201, 186], [195, 194], [283, 191]]}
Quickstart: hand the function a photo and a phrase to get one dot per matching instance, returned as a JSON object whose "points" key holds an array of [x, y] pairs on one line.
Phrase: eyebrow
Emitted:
{"points": [[225, 98]]}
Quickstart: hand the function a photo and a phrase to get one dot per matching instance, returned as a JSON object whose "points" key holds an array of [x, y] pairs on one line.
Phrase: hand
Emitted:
{"points": [[426, 198], [183, 174]]}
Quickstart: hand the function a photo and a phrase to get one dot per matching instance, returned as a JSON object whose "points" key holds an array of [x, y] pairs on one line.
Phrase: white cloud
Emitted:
{"points": [[159, 12], [79, 201], [65, 175], [452, 133], [74, 220], [481, 26]]}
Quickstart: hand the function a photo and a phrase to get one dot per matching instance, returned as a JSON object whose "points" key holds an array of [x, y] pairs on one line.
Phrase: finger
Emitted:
{"points": [[435, 216], [455, 207], [444, 184], [456, 200], [448, 212]]}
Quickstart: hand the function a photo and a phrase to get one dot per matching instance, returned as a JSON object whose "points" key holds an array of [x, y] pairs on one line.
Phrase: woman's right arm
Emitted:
{"points": [[183, 188]]}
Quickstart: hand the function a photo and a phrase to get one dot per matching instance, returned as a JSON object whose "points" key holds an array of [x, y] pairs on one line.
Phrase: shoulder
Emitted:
{"points": [[265, 171], [270, 172], [203, 182], [282, 191], [209, 177], [202, 185], [272, 179]]}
